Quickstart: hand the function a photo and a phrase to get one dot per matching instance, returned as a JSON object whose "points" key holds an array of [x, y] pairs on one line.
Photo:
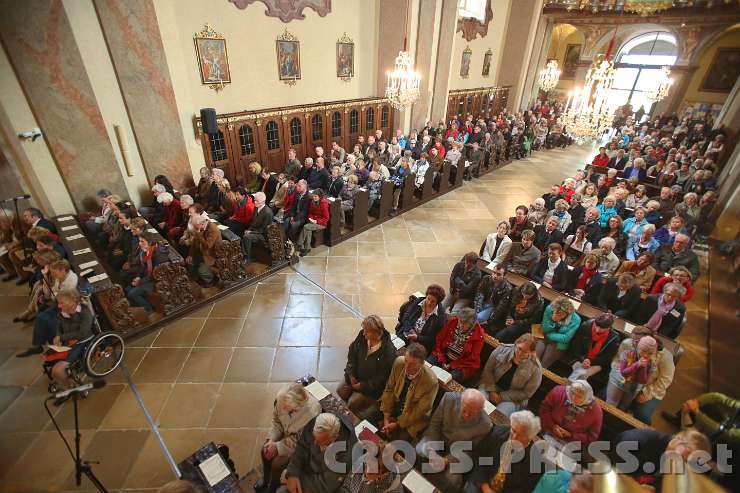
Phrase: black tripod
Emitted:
{"points": [[81, 467]]}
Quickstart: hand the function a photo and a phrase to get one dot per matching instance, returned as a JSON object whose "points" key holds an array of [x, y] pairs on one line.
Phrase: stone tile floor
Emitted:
{"points": [[212, 376]]}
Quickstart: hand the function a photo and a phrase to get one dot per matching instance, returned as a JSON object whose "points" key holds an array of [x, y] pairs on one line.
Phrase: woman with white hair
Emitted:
{"points": [[511, 448], [294, 407], [570, 413], [217, 193], [171, 212], [561, 213], [537, 212], [608, 261]]}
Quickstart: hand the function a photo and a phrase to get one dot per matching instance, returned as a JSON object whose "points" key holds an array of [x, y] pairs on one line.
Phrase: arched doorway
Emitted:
{"points": [[638, 67]]}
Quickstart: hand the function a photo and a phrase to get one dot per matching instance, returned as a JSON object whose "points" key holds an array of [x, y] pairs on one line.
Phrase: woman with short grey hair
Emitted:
{"points": [[293, 409], [458, 345]]}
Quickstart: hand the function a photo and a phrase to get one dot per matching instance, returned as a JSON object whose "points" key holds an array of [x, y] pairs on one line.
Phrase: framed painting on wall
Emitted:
{"points": [[465, 63], [288, 57], [723, 72], [213, 61], [345, 58], [570, 61], [487, 63]]}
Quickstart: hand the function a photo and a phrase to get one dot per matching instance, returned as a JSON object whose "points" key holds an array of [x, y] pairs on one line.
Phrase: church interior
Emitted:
{"points": [[369, 246]]}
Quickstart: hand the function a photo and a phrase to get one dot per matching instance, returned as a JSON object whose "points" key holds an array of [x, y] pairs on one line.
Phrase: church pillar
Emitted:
{"points": [[132, 34], [426, 48], [447, 31], [40, 44], [537, 61]]}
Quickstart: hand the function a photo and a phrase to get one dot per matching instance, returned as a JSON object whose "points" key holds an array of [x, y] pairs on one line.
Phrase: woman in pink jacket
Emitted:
{"points": [[571, 414]]}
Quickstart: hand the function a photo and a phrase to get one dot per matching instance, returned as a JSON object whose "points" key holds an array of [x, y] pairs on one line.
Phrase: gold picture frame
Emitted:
{"points": [[345, 58], [467, 56], [213, 59], [288, 58], [487, 63]]}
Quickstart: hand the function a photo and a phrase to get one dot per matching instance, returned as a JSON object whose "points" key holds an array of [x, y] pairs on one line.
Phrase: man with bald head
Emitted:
{"points": [[460, 417]]}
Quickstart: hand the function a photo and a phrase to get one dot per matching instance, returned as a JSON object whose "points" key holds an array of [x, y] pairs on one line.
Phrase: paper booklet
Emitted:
{"points": [[317, 390], [416, 483], [214, 469], [59, 349]]}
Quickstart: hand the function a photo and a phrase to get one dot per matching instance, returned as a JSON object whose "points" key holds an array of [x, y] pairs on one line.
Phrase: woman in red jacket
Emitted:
{"points": [[679, 275], [172, 212], [571, 414], [601, 159], [318, 218], [243, 212], [458, 346]]}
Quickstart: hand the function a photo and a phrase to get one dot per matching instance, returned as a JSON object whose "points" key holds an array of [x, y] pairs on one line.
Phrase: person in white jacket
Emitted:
{"points": [[420, 167], [498, 245]]}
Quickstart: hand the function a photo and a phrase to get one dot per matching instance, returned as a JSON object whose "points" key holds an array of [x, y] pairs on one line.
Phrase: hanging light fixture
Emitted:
{"points": [[661, 88], [549, 76], [403, 83], [589, 111], [647, 7]]}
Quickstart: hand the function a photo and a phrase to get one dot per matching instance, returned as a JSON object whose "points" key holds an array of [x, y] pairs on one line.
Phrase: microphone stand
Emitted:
{"points": [[81, 467]]}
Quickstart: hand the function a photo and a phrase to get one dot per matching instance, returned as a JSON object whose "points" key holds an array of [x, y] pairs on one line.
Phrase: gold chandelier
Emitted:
{"points": [[588, 112], [402, 89], [647, 7], [660, 90], [549, 76]]}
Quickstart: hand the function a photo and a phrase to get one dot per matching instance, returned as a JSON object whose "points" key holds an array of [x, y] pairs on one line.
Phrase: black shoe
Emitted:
{"points": [[58, 402], [30, 352], [259, 485], [21, 282], [671, 418], [9, 277]]}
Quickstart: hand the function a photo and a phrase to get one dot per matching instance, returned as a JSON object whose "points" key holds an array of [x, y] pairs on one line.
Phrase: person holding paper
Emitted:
{"points": [[459, 417], [409, 394], [420, 319], [369, 361], [201, 254], [308, 471], [525, 255], [570, 413], [257, 230], [593, 348], [458, 346], [663, 313], [294, 407], [495, 249], [512, 374], [620, 296], [559, 324], [464, 281], [493, 298], [150, 256], [525, 309], [552, 271], [371, 476]]}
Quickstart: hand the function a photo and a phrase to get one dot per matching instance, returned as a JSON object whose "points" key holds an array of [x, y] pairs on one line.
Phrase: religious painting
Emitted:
{"points": [[487, 63], [213, 60], [465, 63], [345, 58], [723, 72], [570, 61], [288, 57]]}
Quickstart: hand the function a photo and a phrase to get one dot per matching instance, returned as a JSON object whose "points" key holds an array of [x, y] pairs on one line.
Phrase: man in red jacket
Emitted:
{"points": [[601, 159], [458, 346], [318, 218], [243, 212]]}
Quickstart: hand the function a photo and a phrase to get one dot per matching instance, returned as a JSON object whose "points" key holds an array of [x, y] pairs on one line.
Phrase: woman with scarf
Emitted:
{"points": [[592, 350], [559, 324], [630, 372], [561, 212], [458, 346], [537, 212], [663, 313], [402, 171], [584, 281], [525, 310], [571, 414], [576, 246], [519, 222], [588, 196], [150, 256]]}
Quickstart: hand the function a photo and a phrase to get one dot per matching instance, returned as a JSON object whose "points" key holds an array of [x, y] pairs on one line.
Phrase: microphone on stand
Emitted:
{"points": [[96, 384], [25, 196]]}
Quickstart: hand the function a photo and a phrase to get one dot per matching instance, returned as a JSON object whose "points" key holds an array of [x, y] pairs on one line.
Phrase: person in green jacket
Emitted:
{"points": [[714, 414], [559, 325]]}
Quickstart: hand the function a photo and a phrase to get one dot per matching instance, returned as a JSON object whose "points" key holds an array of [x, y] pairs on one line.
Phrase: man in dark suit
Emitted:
{"points": [[545, 234], [35, 218], [619, 161], [318, 177], [297, 216], [257, 230]]}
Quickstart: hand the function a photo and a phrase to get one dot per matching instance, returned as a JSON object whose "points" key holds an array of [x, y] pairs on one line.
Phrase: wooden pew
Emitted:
{"points": [[333, 230], [407, 192], [444, 179], [229, 259], [427, 188], [386, 200], [459, 172], [360, 209], [108, 297]]}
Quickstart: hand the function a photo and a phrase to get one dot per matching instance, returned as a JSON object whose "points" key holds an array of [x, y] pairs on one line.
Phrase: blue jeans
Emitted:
{"points": [[137, 295], [484, 313], [45, 327], [644, 412]]}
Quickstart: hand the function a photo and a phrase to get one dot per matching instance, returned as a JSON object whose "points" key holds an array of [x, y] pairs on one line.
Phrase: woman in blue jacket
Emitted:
{"points": [[559, 325]]}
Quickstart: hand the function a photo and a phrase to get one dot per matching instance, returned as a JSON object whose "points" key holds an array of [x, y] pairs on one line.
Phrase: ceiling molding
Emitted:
{"points": [[288, 10]]}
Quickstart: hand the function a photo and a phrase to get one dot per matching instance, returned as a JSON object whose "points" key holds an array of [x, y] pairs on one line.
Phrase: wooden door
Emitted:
{"points": [[219, 153], [354, 126], [386, 121], [469, 105], [460, 111], [476, 105], [336, 130], [245, 145], [294, 135], [369, 114], [271, 143], [315, 131]]}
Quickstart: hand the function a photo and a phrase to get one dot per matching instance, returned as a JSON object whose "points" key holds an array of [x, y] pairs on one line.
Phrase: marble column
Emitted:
{"points": [[428, 27], [391, 29], [447, 31], [537, 62], [38, 39], [134, 42]]}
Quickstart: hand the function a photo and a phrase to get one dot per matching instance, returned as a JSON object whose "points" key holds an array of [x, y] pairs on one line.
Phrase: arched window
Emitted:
{"points": [[295, 131], [354, 121], [317, 127], [461, 106], [246, 140], [638, 66], [336, 124], [218, 146], [273, 136], [370, 119], [384, 114]]}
